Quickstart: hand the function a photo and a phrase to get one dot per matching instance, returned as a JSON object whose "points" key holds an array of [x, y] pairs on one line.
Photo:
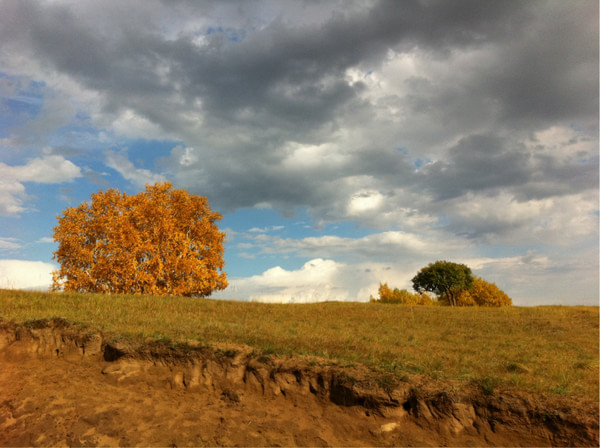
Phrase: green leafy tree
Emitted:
{"points": [[445, 279]]}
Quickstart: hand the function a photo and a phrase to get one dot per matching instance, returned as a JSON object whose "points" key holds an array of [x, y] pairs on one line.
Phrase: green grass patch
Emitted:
{"points": [[539, 349]]}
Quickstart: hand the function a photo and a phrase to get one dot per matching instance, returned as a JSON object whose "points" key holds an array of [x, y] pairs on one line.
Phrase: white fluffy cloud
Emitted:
{"points": [[12, 197], [365, 201], [22, 274], [50, 169], [318, 280], [138, 176], [130, 124]]}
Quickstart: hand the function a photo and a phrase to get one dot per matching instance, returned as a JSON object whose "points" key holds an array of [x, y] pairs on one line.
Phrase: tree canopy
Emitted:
{"points": [[160, 241], [444, 278]]}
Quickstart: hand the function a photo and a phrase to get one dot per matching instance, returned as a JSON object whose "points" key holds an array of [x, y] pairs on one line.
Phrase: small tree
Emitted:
{"points": [[444, 278], [160, 241]]}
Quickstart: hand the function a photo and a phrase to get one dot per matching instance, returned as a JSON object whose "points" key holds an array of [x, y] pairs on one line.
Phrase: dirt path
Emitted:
{"points": [[61, 386]]}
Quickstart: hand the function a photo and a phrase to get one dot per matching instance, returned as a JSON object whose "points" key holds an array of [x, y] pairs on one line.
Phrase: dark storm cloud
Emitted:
{"points": [[292, 78], [553, 177], [282, 74], [487, 163], [239, 98], [548, 70], [478, 163]]}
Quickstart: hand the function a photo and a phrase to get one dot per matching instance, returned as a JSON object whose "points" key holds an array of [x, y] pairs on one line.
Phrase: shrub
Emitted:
{"points": [[488, 294], [480, 293], [403, 297]]}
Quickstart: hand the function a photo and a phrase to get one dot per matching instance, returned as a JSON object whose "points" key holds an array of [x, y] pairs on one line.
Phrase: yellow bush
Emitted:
{"points": [[483, 293], [403, 297], [488, 294]]}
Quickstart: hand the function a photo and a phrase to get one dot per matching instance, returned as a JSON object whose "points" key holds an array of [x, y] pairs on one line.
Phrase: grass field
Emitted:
{"points": [[539, 349]]}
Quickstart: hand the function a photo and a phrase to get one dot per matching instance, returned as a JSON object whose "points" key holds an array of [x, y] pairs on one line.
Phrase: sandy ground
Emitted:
{"points": [[61, 386]]}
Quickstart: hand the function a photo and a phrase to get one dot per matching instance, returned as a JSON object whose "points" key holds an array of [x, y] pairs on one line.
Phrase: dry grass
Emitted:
{"points": [[540, 349]]}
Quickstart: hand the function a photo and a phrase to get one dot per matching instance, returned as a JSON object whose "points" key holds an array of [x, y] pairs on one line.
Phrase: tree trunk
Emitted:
{"points": [[452, 298]]}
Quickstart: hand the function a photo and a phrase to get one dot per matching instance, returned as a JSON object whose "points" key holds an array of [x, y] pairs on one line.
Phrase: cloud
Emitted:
{"points": [[318, 280], [380, 246], [502, 218], [9, 243], [308, 109], [50, 169], [137, 176], [365, 201], [128, 123], [22, 274], [265, 229], [313, 282], [529, 169], [12, 198], [555, 277]]}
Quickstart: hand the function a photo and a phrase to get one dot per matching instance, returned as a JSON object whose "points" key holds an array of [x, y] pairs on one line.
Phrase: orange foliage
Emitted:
{"points": [[483, 293], [388, 295], [160, 241]]}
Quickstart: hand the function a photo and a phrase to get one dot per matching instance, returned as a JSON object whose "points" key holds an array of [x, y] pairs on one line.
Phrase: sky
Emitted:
{"points": [[346, 143]]}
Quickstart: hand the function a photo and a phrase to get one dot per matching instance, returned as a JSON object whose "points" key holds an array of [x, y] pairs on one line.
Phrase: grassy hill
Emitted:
{"points": [[540, 349]]}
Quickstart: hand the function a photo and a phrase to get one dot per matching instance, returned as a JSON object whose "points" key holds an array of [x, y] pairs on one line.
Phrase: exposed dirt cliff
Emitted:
{"points": [[61, 385]]}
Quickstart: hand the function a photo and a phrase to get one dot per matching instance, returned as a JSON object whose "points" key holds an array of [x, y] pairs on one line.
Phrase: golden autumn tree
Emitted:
{"points": [[160, 241]]}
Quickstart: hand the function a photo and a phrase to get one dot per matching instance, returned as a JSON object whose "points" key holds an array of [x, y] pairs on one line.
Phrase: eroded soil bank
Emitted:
{"points": [[60, 385]]}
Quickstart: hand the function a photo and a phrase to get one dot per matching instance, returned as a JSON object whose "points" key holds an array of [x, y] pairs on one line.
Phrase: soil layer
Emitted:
{"points": [[63, 385]]}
